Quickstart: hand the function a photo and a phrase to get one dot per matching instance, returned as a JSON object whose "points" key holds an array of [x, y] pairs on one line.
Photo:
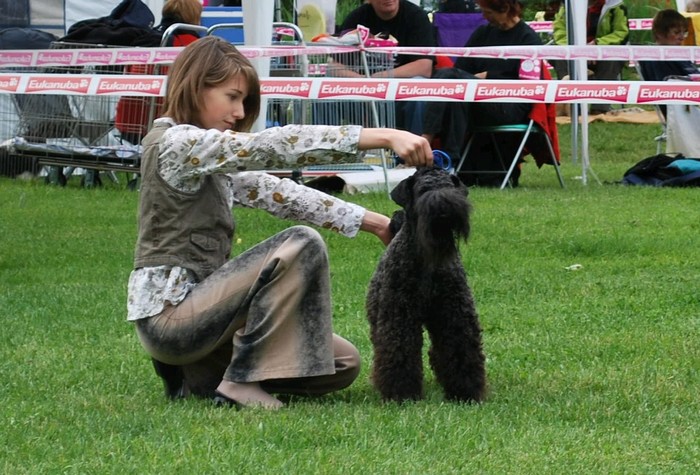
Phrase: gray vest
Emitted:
{"points": [[190, 230]]}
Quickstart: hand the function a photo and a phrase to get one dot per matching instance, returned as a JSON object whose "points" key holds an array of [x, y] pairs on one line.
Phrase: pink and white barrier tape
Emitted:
{"points": [[635, 24], [126, 56], [622, 92], [587, 52]]}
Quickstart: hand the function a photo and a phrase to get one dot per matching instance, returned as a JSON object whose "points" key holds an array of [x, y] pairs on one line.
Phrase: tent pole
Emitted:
{"points": [[571, 66], [257, 27], [577, 33]]}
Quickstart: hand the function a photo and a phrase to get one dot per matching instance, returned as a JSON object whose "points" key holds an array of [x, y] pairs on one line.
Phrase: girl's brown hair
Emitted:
{"points": [[186, 11], [512, 7], [206, 63]]}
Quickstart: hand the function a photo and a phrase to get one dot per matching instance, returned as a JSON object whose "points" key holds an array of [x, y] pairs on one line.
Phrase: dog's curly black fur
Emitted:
{"points": [[420, 282]]}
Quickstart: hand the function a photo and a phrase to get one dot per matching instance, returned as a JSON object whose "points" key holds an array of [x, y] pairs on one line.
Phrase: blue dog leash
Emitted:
{"points": [[442, 160]]}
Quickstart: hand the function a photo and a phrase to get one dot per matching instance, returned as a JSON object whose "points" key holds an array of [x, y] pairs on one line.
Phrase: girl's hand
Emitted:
{"points": [[413, 149]]}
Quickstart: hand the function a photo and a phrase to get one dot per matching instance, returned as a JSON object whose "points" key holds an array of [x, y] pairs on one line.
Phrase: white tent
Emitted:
{"points": [[56, 16], [577, 11]]}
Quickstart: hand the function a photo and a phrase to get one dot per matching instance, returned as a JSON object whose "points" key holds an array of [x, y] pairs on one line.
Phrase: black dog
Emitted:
{"points": [[420, 282]]}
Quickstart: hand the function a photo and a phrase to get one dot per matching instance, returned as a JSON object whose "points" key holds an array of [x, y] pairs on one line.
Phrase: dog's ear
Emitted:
{"points": [[459, 184], [402, 192], [397, 220]]}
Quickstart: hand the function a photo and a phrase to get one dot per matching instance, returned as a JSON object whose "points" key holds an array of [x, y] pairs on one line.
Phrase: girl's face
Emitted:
{"points": [[223, 104], [674, 37]]}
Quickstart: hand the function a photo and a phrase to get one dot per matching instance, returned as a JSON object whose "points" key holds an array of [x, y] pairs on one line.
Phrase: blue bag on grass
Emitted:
{"points": [[664, 170]]}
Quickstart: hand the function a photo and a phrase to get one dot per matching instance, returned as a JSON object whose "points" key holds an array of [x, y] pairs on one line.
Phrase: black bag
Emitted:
{"points": [[132, 13], [129, 24], [658, 170], [25, 38]]}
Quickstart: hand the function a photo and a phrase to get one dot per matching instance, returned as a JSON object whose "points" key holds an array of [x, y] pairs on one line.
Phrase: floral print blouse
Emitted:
{"points": [[187, 154]]}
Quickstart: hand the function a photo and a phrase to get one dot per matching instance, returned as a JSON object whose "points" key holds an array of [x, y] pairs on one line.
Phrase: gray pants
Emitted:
{"points": [[264, 316]]}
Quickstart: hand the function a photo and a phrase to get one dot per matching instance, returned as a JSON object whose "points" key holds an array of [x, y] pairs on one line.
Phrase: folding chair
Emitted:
{"points": [[527, 131], [454, 29], [662, 137], [537, 137]]}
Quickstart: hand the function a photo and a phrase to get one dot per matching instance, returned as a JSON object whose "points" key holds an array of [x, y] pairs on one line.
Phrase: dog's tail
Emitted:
{"points": [[443, 220]]}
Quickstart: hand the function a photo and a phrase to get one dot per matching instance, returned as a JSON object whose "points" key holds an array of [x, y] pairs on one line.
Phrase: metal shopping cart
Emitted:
{"points": [[333, 112], [69, 132]]}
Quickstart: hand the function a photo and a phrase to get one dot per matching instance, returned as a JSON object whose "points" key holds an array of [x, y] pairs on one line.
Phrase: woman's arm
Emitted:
{"points": [[413, 149], [285, 199], [377, 224], [421, 67], [189, 153]]}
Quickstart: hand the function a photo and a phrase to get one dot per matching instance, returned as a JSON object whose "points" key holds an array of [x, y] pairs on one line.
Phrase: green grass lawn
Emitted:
{"points": [[590, 371]]}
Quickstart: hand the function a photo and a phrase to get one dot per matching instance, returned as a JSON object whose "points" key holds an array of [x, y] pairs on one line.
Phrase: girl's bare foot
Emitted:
{"points": [[248, 395]]}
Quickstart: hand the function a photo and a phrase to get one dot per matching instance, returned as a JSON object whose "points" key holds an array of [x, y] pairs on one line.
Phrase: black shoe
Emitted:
{"points": [[223, 400], [173, 379]]}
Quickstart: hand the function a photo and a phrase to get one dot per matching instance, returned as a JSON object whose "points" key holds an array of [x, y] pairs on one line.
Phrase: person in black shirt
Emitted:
{"points": [[403, 20], [410, 26], [451, 121]]}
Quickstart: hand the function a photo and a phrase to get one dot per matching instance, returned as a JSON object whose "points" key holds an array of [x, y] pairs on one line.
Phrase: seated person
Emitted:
{"points": [[669, 29], [180, 11], [410, 26], [450, 121], [606, 24]]}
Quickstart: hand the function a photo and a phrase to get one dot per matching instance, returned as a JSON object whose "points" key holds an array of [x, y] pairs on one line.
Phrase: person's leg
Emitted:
{"points": [[486, 154], [409, 116], [448, 121], [605, 71], [272, 301], [203, 377], [561, 67], [501, 113], [347, 368]]}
